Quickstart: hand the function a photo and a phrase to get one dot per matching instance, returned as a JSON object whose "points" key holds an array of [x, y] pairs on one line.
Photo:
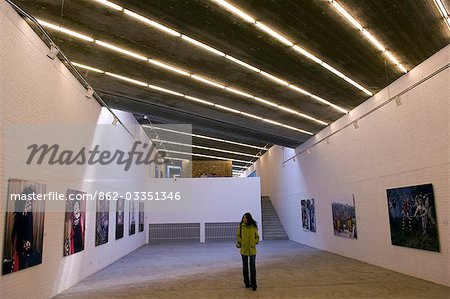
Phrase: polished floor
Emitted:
{"points": [[285, 269]]}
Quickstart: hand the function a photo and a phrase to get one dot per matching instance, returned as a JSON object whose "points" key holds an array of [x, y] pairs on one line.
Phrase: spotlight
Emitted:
{"points": [[145, 117], [355, 124], [54, 50], [398, 101], [115, 121], [89, 92]]}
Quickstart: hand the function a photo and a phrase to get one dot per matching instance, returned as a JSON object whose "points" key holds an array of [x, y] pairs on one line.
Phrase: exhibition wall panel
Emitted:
{"points": [[404, 142], [37, 92]]}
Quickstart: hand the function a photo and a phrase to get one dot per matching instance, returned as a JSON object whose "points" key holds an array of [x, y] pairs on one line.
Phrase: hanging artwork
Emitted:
{"points": [[344, 216], [132, 218], [24, 227], [308, 215], [120, 213], [74, 227], [141, 217], [102, 221], [412, 217]]}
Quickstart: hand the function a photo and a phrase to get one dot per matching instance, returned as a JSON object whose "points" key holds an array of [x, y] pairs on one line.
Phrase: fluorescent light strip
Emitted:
{"points": [[204, 80], [202, 45], [206, 137], [196, 77], [66, 31], [121, 50], [238, 166], [151, 23], [205, 148], [165, 90], [229, 57], [168, 67], [444, 12], [369, 36], [110, 4], [274, 34], [206, 156], [288, 42], [140, 83], [87, 67], [246, 65]]}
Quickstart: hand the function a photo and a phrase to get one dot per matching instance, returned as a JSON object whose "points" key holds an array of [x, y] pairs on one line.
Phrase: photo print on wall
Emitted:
{"points": [[412, 217], [120, 213], [344, 216], [24, 226], [308, 214], [102, 221], [141, 217], [74, 227], [132, 219]]}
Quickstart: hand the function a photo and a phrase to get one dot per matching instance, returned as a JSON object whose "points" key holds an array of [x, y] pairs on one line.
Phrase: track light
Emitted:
{"points": [[89, 92], [355, 124], [53, 52], [115, 121]]}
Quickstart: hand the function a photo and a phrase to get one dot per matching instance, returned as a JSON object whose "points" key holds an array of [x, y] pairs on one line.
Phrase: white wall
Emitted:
{"points": [[208, 200], [394, 146], [35, 90]]}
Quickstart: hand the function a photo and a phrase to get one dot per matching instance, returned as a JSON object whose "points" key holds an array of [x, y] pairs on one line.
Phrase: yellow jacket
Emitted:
{"points": [[248, 238]]}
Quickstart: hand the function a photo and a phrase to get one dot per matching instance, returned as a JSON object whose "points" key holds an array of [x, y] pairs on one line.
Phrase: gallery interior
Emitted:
{"points": [[134, 136]]}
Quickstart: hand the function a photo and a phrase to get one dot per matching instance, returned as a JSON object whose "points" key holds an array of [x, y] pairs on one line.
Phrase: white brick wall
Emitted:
{"points": [[393, 147], [37, 90]]}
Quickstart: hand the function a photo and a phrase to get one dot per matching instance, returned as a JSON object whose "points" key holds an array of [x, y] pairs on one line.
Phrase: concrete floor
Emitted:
{"points": [[285, 269]]}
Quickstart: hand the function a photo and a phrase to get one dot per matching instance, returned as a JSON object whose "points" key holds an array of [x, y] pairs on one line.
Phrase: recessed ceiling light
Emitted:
{"points": [[205, 156], [110, 4], [196, 77], [66, 31], [205, 137], [206, 148], [444, 12], [286, 41], [87, 67], [374, 41], [165, 90], [229, 57]]}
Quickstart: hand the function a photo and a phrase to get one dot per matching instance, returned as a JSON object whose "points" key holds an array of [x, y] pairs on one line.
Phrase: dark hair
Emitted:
{"points": [[250, 220]]}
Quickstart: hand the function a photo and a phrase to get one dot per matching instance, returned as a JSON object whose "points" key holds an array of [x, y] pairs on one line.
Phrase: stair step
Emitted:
{"points": [[272, 226]]}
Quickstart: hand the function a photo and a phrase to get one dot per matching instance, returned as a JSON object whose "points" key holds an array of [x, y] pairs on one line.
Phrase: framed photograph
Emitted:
{"points": [[120, 213], [308, 215], [102, 221], [344, 217], [132, 218], [24, 227], [74, 227], [141, 217], [412, 217]]}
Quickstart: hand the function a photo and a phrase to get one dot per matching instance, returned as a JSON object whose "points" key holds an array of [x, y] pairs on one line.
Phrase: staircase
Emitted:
{"points": [[271, 225]]}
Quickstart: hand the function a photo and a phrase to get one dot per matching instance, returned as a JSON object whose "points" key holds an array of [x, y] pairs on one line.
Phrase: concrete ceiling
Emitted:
{"points": [[412, 30]]}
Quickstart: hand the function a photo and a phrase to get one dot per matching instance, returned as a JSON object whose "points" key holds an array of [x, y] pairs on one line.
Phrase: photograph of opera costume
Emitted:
{"points": [[120, 213], [308, 215], [141, 217], [24, 227], [75, 223], [412, 217], [132, 218], [102, 222]]}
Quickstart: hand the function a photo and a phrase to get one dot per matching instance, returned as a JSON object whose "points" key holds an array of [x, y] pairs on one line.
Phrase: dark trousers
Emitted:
{"points": [[252, 281]]}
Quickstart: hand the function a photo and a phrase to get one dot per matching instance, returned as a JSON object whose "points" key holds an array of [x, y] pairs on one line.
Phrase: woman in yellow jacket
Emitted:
{"points": [[246, 239]]}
